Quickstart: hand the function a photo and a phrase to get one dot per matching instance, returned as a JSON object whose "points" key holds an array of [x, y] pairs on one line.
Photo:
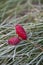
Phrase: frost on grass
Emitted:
{"points": [[30, 16]]}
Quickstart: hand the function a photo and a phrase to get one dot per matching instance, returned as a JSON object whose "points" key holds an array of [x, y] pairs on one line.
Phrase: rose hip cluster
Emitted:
{"points": [[20, 31]]}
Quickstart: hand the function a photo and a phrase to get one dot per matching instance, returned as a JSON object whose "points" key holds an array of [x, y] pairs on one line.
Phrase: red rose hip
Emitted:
{"points": [[21, 32], [14, 41]]}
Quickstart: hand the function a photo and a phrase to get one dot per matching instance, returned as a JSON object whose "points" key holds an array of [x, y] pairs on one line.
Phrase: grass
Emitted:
{"points": [[30, 16]]}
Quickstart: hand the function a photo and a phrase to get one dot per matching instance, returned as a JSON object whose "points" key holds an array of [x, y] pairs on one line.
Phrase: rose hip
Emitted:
{"points": [[14, 41], [21, 31]]}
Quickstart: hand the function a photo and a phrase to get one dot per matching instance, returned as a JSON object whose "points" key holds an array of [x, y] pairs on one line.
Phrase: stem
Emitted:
{"points": [[36, 45]]}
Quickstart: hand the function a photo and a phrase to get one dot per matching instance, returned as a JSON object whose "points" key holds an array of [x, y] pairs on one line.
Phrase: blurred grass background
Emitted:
{"points": [[28, 13]]}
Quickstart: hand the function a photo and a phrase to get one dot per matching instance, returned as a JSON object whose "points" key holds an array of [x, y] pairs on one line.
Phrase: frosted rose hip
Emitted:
{"points": [[21, 32], [14, 41]]}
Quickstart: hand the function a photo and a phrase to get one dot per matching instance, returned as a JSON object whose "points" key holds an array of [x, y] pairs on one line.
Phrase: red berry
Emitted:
{"points": [[14, 41], [21, 32]]}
